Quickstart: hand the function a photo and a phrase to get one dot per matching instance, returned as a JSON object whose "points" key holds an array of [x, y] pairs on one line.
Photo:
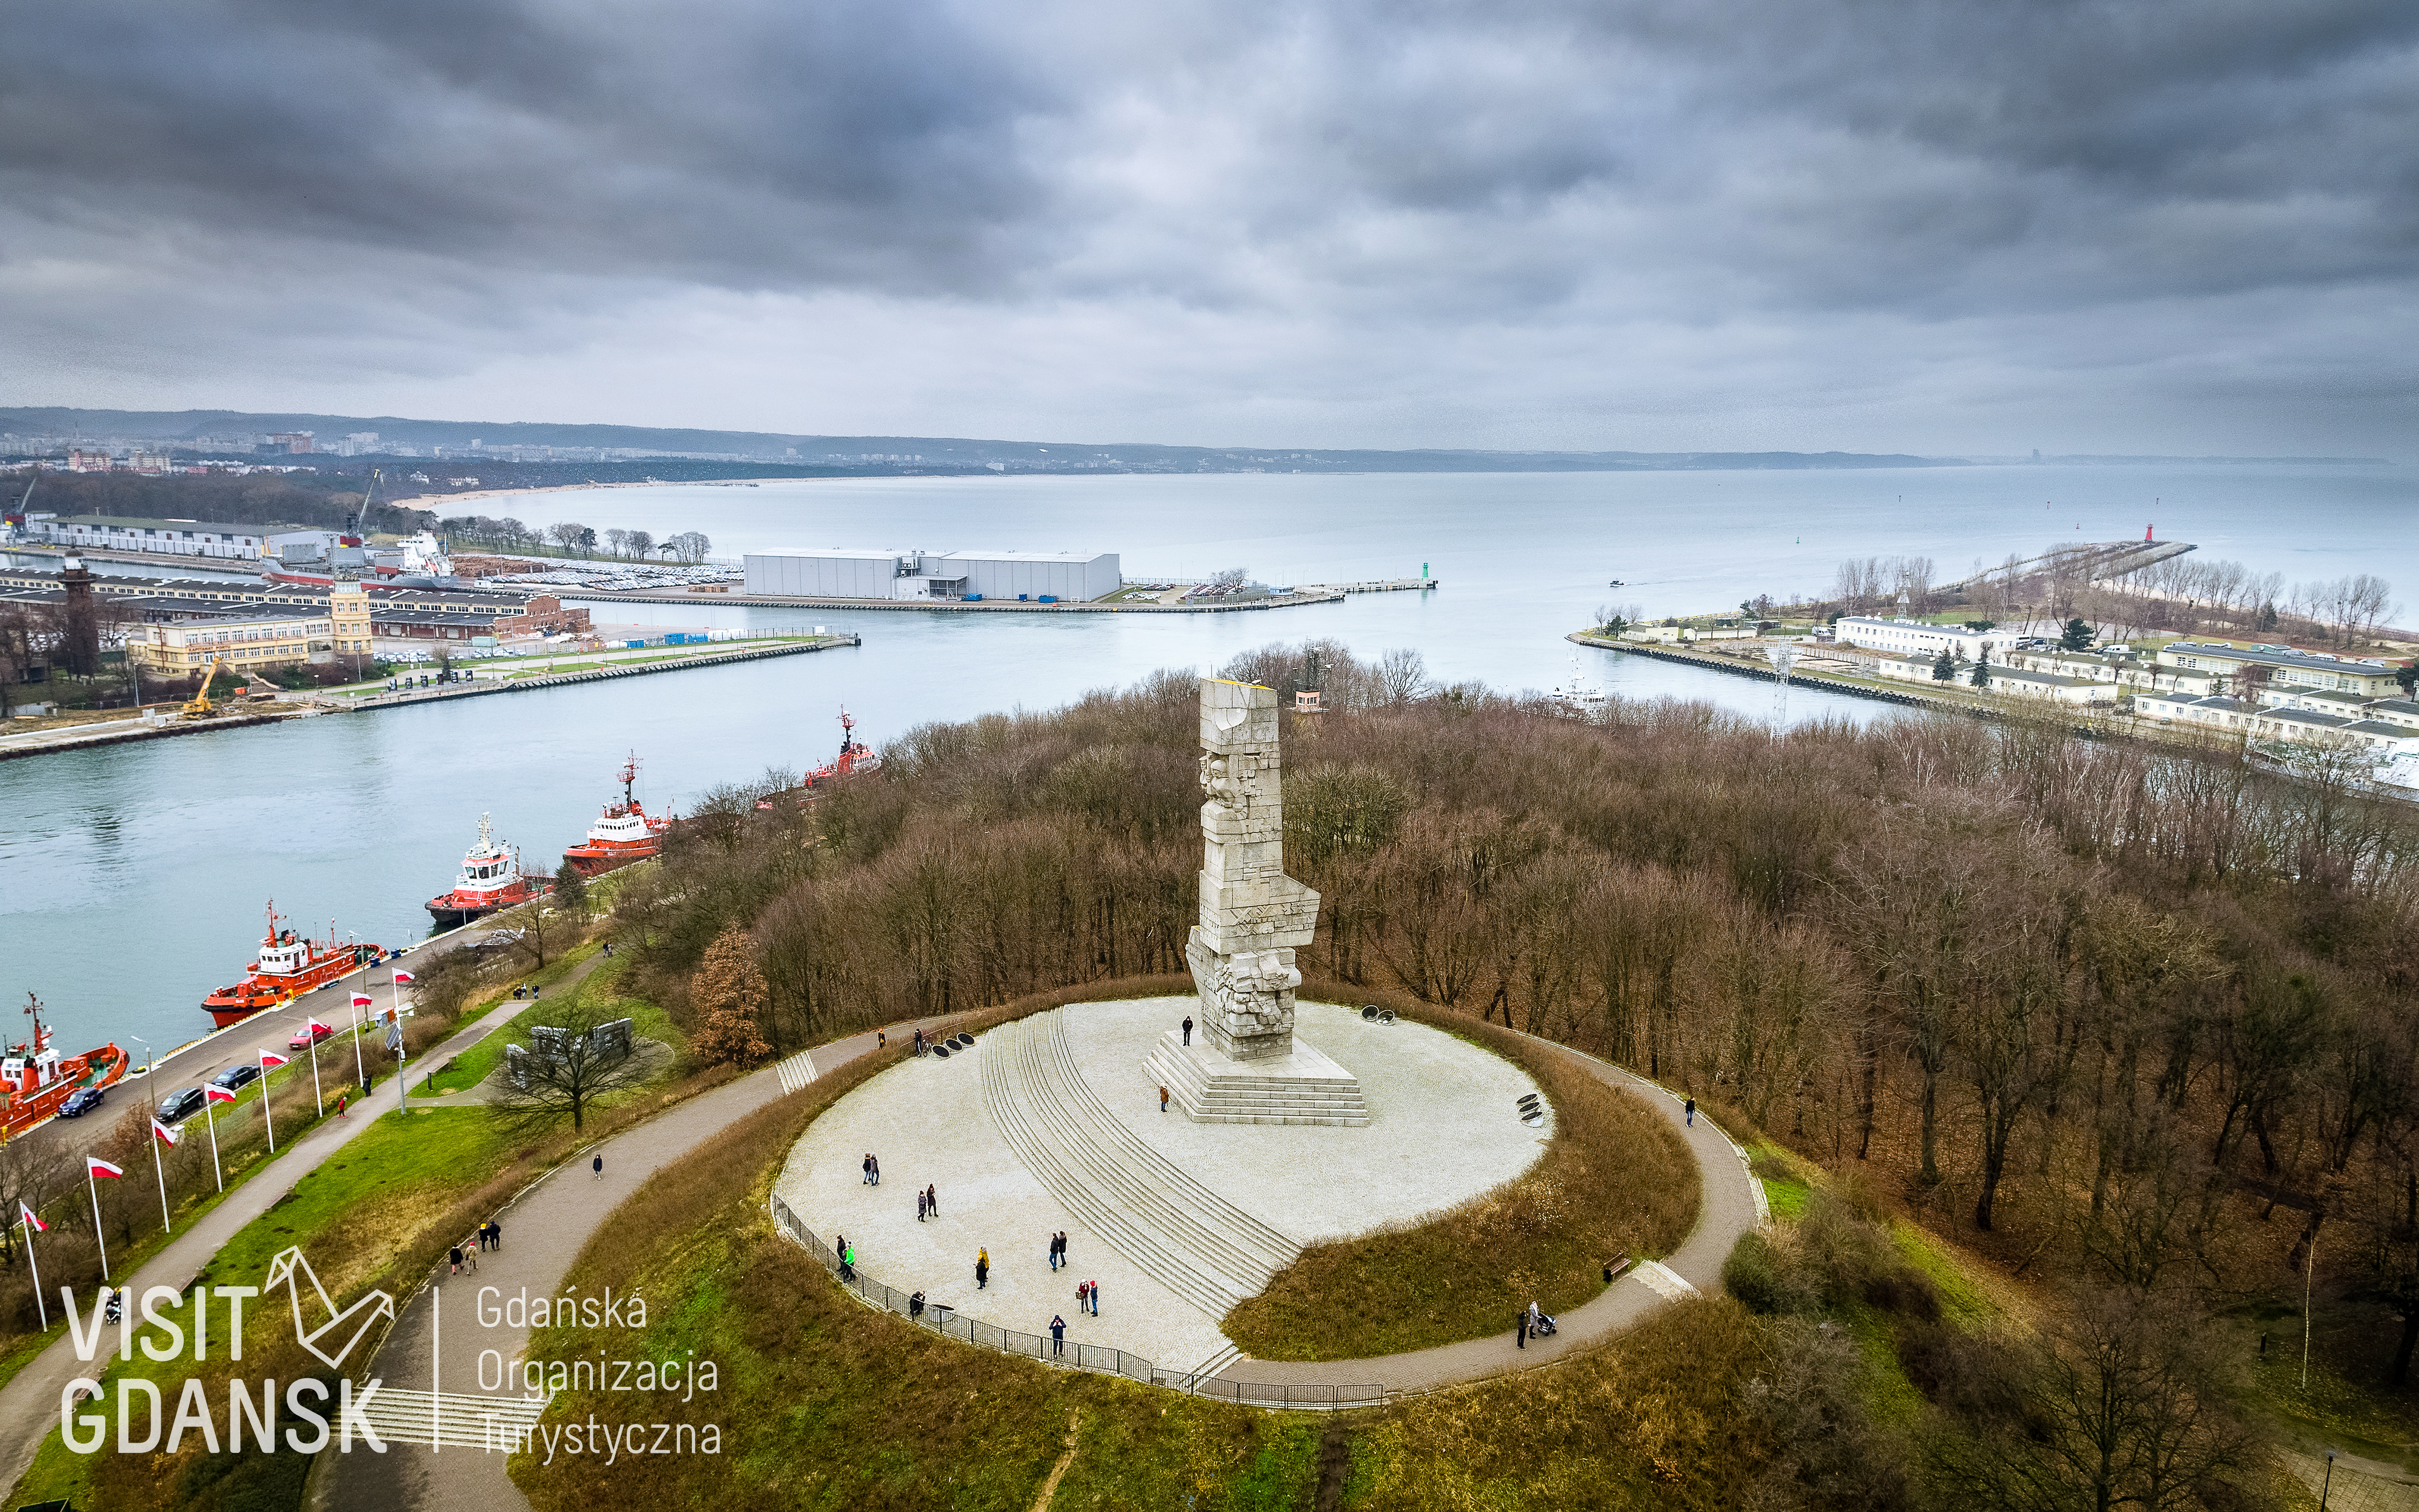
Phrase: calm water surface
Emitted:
{"points": [[133, 879]]}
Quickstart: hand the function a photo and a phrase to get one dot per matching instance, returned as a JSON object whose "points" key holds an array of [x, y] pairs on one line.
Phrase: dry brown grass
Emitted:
{"points": [[1655, 1420], [1615, 1181]]}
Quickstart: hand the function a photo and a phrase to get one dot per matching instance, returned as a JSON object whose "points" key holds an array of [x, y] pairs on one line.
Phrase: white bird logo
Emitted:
{"points": [[363, 1313]]}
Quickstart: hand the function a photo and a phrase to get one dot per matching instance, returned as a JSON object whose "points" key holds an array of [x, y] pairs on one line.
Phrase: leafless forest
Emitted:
{"points": [[2109, 1014]]}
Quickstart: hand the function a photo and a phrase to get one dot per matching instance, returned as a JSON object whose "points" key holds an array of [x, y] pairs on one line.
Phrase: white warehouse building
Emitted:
{"points": [[841, 572], [1912, 638]]}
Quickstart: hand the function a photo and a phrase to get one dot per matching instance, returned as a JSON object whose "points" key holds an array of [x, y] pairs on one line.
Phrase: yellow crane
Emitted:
{"points": [[199, 706]]}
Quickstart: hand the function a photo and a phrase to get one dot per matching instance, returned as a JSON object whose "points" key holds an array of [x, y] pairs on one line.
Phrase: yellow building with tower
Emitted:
{"points": [[348, 618]]}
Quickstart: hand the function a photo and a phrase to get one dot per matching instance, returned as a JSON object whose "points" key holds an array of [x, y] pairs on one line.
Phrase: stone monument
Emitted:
{"points": [[1245, 1066]]}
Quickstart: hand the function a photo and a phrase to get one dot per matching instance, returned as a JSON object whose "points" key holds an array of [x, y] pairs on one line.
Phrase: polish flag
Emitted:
{"points": [[217, 1094], [403, 976], [360, 1000], [270, 1058], [25, 1215], [95, 1166], [318, 1028], [167, 1135]]}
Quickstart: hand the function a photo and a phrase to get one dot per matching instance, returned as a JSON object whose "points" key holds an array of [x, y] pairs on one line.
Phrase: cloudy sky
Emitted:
{"points": [[2138, 225]]}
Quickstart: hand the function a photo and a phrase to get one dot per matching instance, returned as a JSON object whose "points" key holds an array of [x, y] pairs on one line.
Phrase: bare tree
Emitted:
{"points": [[642, 543], [1402, 675], [689, 547], [618, 542], [564, 1067]]}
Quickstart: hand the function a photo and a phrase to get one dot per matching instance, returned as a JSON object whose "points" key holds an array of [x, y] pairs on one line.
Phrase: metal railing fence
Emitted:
{"points": [[948, 1322]]}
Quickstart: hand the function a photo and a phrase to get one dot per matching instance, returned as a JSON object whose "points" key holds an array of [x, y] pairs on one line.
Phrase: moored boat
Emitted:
{"points": [[627, 833], [35, 1079], [854, 755], [491, 879], [288, 965]]}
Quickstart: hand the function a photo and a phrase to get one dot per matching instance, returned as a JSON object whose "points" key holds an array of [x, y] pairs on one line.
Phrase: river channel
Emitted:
{"points": [[136, 876]]}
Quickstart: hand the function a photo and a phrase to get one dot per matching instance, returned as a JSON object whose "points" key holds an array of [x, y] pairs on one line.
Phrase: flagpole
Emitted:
{"points": [[310, 1028], [25, 1216], [360, 1075], [218, 1167], [161, 1172], [94, 1187], [264, 1110]]}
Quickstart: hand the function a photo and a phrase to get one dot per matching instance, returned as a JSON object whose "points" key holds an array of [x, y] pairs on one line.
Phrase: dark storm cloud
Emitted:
{"points": [[2184, 190]]}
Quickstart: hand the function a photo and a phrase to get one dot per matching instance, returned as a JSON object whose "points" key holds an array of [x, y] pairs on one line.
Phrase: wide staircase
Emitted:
{"points": [[1229, 1096], [1141, 1204]]}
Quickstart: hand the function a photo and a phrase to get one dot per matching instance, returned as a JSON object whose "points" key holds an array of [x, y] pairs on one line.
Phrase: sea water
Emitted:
{"points": [[136, 876]]}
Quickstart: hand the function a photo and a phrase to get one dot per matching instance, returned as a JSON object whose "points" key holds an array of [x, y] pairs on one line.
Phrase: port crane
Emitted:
{"points": [[362, 517]]}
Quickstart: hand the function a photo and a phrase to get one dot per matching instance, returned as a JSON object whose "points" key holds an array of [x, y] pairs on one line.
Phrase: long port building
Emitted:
{"points": [[842, 572]]}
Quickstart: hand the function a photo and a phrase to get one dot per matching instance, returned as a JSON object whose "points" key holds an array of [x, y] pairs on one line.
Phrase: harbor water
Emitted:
{"points": [[136, 875]]}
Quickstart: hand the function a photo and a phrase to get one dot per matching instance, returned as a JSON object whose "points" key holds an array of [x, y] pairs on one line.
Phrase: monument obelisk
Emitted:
{"points": [[1248, 1067]]}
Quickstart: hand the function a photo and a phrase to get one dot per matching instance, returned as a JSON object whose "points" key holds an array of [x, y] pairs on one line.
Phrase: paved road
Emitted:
{"points": [[29, 1404], [188, 1065]]}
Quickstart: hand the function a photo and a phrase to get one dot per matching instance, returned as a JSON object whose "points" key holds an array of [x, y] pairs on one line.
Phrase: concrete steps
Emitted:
{"points": [[451, 1419], [1144, 1206], [1201, 1084]]}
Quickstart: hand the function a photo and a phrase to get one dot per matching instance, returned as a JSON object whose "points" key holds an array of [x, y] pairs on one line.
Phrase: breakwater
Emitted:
{"points": [[1320, 596], [1732, 667], [594, 674]]}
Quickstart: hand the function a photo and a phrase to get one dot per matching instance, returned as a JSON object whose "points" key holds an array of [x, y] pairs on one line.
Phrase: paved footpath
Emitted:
{"points": [[1729, 1202], [544, 1230], [29, 1404]]}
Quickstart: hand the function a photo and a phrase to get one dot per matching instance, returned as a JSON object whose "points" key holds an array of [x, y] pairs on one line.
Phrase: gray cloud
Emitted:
{"points": [[1875, 222]]}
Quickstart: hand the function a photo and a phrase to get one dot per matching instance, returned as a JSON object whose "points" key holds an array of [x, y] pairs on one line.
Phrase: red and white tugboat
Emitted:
{"points": [[35, 1080], [627, 833], [288, 967], [491, 879], [855, 756]]}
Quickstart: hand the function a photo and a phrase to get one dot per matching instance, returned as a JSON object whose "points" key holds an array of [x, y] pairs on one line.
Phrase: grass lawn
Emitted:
{"points": [[599, 988], [1615, 1181]]}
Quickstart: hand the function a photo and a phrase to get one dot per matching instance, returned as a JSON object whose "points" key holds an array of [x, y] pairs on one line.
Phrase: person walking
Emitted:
{"points": [[920, 1206], [1054, 1251], [932, 1200], [866, 1167], [1187, 1028], [455, 1255], [1691, 1110], [881, 1040], [982, 1268], [597, 1166], [340, 1104], [1520, 1331], [1533, 1314], [1057, 1335], [1162, 1100], [1092, 1294], [877, 1169]]}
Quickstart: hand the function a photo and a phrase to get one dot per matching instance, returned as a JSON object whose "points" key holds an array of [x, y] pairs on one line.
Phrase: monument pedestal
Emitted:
{"points": [[1303, 1086]]}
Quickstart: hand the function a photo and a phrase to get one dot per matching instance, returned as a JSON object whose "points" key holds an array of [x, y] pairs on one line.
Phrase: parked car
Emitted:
{"points": [[178, 1106], [80, 1101], [234, 1076], [305, 1037]]}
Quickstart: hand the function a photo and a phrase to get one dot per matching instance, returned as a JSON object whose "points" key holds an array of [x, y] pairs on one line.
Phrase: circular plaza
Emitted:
{"points": [[1054, 1124]]}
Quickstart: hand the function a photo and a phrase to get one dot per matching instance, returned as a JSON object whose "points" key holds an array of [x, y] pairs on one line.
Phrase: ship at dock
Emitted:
{"points": [[491, 878], [35, 1079], [855, 756], [288, 965], [624, 834]]}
